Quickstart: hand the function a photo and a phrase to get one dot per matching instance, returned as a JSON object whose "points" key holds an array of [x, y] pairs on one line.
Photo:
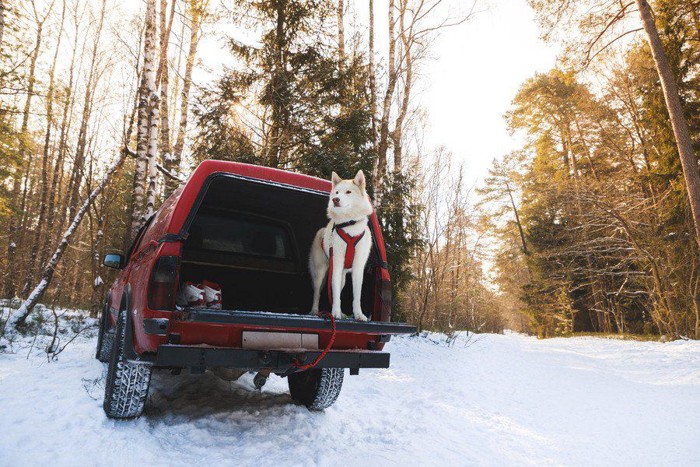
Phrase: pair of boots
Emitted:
{"points": [[204, 295]]}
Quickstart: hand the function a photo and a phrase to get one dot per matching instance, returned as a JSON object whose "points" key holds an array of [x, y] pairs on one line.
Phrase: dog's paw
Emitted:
{"points": [[337, 314], [313, 313], [360, 317]]}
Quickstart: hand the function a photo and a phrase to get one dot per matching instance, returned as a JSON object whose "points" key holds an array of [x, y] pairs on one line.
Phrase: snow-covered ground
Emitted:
{"points": [[501, 400]]}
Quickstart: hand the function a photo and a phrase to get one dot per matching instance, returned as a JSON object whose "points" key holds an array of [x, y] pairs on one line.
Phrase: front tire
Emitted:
{"points": [[127, 382], [105, 337], [317, 389]]}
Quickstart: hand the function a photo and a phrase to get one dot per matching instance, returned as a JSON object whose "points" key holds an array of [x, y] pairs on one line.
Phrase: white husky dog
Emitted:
{"points": [[348, 211]]}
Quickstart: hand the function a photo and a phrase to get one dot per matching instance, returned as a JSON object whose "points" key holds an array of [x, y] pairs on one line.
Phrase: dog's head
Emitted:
{"points": [[348, 199]]}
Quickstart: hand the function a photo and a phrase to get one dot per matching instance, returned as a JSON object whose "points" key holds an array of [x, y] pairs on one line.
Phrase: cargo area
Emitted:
{"points": [[253, 239]]}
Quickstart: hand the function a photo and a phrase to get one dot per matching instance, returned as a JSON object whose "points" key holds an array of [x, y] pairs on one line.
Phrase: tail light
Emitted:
{"points": [[163, 284]]}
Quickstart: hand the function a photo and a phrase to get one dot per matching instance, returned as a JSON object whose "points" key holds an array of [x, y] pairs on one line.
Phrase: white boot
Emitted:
{"points": [[212, 295], [192, 295]]}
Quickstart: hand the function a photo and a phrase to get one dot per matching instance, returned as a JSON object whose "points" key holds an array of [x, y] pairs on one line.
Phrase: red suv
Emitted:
{"points": [[247, 229]]}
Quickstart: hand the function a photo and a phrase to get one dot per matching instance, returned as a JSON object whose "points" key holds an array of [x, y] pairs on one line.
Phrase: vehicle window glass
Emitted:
{"points": [[237, 235], [139, 236]]}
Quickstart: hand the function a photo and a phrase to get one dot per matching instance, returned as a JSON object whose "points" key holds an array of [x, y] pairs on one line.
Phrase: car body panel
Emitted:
{"points": [[163, 236]]}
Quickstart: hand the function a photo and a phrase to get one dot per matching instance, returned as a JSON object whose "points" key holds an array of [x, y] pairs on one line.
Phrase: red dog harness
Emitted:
{"points": [[350, 244]]}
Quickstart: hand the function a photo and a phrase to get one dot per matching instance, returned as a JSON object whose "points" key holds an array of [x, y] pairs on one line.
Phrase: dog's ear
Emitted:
{"points": [[359, 179], [335, 179]]}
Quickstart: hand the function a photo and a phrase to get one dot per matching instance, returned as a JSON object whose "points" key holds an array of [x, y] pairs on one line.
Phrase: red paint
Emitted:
{"points": [[132, 281]]}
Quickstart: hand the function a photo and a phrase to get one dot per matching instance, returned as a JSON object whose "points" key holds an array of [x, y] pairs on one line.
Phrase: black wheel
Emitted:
{"points": [[105, 337], [317, 389], [127, 382]]}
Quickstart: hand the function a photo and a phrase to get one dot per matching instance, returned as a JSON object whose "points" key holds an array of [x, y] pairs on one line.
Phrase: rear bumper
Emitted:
{"points": [[182, 356], [208, 338]]}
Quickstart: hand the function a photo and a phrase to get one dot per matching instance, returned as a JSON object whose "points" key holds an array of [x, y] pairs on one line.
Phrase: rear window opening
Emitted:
{"points": [[230, 233], [253, 239]]}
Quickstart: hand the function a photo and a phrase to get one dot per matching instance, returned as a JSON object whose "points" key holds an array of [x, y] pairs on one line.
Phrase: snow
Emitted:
{"points": [[486, 400], [24, 308]]}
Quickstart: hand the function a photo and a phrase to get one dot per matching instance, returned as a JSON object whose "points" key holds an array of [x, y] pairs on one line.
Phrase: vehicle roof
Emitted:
{"points": [[212, 166]]}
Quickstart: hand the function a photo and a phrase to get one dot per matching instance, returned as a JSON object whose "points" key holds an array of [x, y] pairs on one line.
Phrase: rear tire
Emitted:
{"points": [[105, 337], [317, 389], [127, 382]]}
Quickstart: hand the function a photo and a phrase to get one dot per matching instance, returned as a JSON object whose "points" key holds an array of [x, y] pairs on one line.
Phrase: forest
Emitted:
{"points": [[591, 226]]}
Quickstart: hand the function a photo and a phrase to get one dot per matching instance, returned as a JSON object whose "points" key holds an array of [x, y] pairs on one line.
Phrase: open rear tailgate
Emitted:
{"points": [[265, 320]]}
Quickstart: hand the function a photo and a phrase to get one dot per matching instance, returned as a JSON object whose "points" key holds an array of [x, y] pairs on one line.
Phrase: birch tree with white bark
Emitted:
{"points": [[147, 136]]}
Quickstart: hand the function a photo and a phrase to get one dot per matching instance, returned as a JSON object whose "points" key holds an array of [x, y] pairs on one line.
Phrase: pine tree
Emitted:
{"points": [[312, 101]]}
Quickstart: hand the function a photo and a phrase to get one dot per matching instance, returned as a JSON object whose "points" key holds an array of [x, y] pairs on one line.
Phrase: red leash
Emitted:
{"points": [[325, 351]]}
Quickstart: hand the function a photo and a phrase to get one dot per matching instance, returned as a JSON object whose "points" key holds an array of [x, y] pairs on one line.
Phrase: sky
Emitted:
{"points": [[465, 87], [477, 71], [467, 84]]}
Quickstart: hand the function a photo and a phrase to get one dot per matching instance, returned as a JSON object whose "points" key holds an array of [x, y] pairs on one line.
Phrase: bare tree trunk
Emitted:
{"points": [[162, 78], [166, 26], [130, 122], [517, 218], [36, 243], [177, 76], [407, 43], [153, 116], [54, 191], [197, 12], [675, 111], [341, 30], [145, 121], [16, 211], [381, 165], [372, 78], [276, 148], [28, 163], [20, 316], [98, 282], [81, 147]]}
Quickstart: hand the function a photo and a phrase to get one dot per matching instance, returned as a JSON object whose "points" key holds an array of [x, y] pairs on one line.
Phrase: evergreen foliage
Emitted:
{"points": [[609, 238]]}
